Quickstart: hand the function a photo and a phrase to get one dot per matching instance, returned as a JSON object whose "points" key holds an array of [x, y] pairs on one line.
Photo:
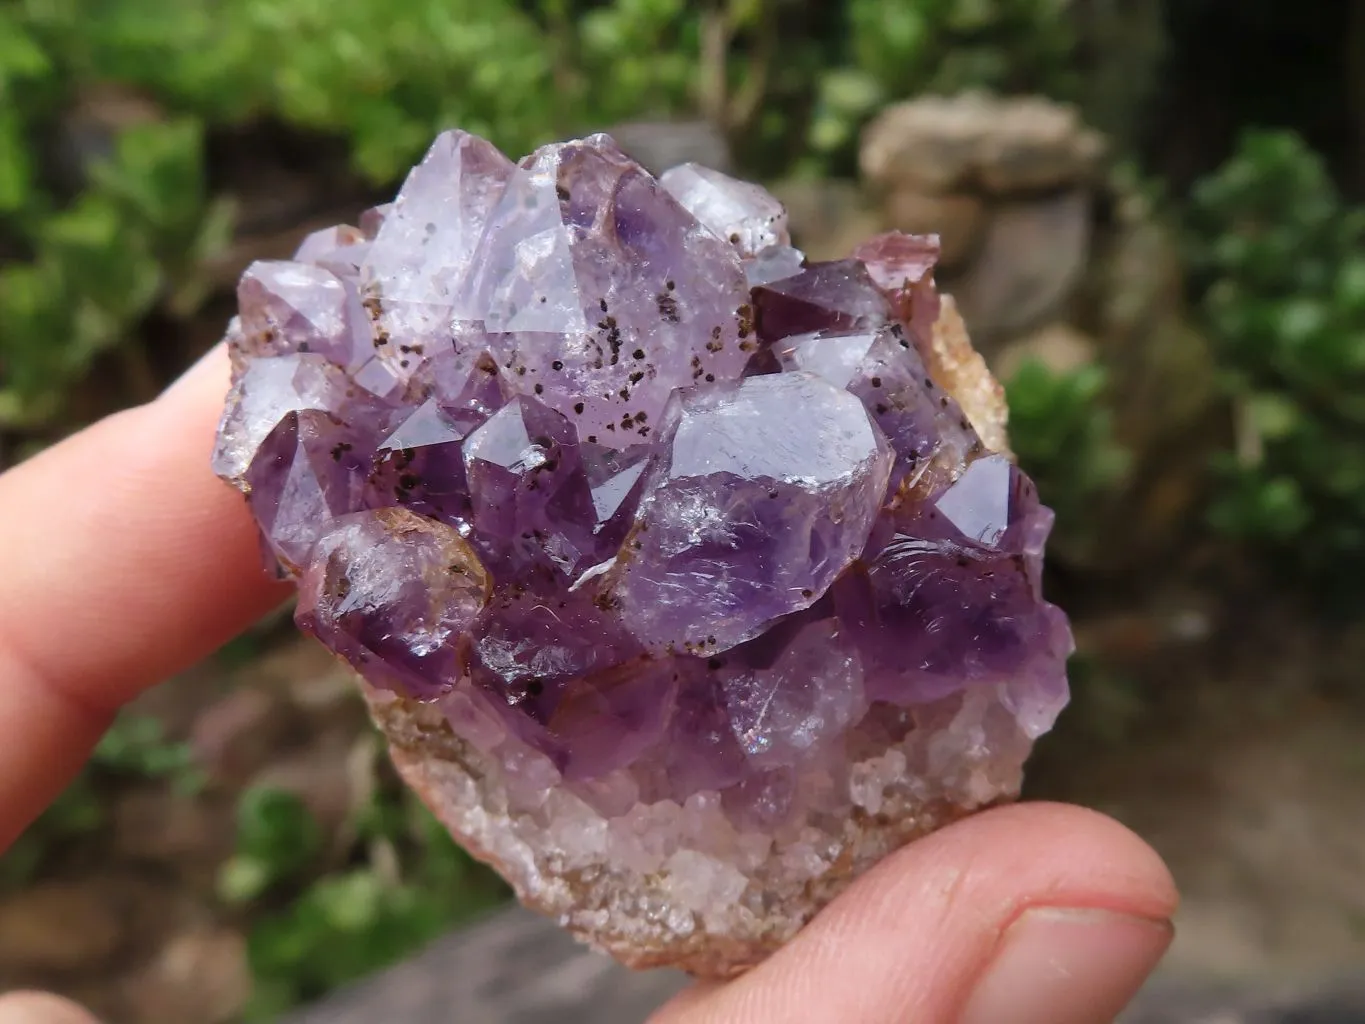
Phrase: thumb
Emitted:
{"points": [[41, 1008], [1032, 914]]}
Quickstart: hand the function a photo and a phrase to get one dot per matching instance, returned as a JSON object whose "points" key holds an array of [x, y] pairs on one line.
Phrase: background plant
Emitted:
{"points": [[940, 46], [105, 223], [1062, 430], [328, 917], [1278, 265], [135, 748]]}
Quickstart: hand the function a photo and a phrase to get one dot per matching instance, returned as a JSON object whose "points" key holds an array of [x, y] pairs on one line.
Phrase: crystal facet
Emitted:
{"points": [[679, 579], [764, 491], [395, 594], [743, 213]]}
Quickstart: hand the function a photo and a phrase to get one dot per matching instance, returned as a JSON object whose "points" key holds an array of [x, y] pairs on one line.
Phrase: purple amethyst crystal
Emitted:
{"points": [[762, 492], [662, 519], [395, 594], [742, 213]]}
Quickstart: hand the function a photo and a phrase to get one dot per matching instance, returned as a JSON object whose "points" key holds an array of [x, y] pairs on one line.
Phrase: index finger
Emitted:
{"points": [[123, 561]]}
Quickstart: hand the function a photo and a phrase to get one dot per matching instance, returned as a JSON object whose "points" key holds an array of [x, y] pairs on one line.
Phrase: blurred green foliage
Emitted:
{"points": [[101, 226], [276, 840], [940, 46], [135, 747], [401, 883], [94, 263], [1062, 430], [1278, 262]]}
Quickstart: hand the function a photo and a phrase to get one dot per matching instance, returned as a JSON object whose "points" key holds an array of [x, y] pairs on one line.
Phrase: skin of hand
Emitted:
{"points": [[124, 561]]}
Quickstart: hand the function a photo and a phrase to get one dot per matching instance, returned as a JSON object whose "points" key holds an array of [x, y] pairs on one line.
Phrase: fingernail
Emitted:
{"points": [[1057, 966]]}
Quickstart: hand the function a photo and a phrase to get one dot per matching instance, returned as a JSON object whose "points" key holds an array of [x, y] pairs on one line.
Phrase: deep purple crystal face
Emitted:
{"points": [[953, 598], [602, 462]]}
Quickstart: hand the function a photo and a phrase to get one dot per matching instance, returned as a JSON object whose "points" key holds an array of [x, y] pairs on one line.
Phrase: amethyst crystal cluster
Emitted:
{"points": [[681, 586]]}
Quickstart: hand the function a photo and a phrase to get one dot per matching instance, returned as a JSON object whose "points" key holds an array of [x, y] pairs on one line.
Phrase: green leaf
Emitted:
{"points": [[1281, 284], [20, 55], [1274, 415], [1300, 319], [1350, 286], [156, 174], [850, 91], [243, 878], [276, 831], [16, 171], [350, 903], [1061, 429], [211, 238]]}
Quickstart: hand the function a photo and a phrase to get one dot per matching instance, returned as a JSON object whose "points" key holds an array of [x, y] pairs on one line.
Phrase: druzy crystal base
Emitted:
{"points": [[687, 578]]}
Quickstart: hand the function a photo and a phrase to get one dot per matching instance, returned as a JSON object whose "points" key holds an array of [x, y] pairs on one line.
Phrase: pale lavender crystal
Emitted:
{"points": [[604, 467], [312, 305], [309, 470], [764, 492], [741, 212], [884, 370], [617, 480], [903, 268], [837, 296], [263, 395], [341, 249], [414, 276], [420, 466], [297, 307], [567, 677], [773, 264], [373, 219], [602, 294]]}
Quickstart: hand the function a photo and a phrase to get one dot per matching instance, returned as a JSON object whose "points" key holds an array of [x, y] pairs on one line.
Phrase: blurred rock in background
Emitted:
{"points": [[659, 145], [1009, 184], [1056, 256]]}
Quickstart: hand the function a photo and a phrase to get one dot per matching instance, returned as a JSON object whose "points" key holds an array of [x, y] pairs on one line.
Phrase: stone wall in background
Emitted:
{"points": [[1054, 253], [1008, 184]]}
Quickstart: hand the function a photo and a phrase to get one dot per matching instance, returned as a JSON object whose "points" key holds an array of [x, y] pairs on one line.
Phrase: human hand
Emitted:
{"points": [[125, 561]]}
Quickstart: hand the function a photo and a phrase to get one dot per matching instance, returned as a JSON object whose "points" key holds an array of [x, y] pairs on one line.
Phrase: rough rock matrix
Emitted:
{"points": [[686, 578]]}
